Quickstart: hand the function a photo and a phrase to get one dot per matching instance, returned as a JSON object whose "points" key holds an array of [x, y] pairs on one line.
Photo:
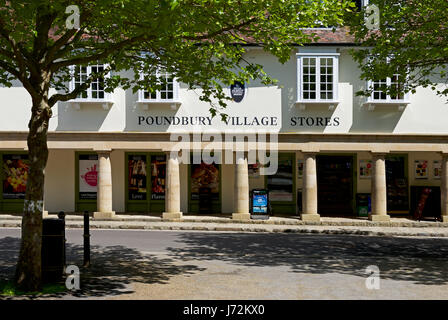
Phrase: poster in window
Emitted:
{"points": [[204, 176], [158, 176], [88, 176], [15, 176], [437, 169], [254, 170], [280, 185], [137, 177], [365, 169], [421, 169], [300, 169]]}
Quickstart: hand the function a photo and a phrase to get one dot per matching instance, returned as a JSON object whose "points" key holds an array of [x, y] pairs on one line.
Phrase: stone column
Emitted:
{"points": [[172, 189], [444, 188], [241, 190], [44, 212], [104, 187], [309, 189], [379, 189]]}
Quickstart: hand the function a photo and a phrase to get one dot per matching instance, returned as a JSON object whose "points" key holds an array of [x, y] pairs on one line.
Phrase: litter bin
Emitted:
{"points": [[363, 204], [205, 201], [53, 249]]}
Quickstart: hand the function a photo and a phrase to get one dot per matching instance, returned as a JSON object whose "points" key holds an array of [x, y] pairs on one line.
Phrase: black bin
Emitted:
{"points": [[53, 249], [205, 201]]}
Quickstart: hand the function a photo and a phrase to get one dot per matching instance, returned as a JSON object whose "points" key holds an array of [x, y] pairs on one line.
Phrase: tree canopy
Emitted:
{"points": [[411, 41], [199, 42]]}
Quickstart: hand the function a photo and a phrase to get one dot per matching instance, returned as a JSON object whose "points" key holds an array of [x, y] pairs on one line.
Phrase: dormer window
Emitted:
{"points": [[317, 78], [168, 93], [95, 92], [379, 93]]}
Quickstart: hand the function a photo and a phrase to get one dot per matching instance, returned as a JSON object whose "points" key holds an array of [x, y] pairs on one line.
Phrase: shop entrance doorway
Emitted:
{"points": [[335, 185], [397, 184], [204, 188]]}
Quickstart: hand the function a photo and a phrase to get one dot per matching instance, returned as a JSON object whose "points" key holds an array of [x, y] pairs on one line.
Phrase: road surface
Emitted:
{"points": [[129, 264]]}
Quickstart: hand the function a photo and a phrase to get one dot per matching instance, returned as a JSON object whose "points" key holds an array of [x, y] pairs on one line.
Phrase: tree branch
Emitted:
{"points": [[77, 90], [95, 57]]}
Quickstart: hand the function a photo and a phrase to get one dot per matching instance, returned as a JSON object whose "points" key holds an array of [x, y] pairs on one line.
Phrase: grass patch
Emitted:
{"points": [[7, 288]]}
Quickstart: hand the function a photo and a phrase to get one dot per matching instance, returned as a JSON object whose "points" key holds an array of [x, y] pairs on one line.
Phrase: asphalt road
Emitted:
{"points": [[130, 264]]}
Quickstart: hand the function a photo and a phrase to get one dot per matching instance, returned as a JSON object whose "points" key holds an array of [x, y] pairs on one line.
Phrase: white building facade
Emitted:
{"points": [[111, 153]]}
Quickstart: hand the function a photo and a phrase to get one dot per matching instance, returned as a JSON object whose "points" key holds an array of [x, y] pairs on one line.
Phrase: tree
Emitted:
{"points": [[411, 42], [200, 42]]}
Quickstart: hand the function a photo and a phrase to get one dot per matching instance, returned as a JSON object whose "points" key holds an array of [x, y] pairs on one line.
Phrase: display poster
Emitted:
{"points": [[365, 169], [15, 176], [254, 170], [158, 177], [204, 176], [260, 203], [88, 176], [137, 177], [421, 169], [437, 169], [300, 169], [280, 185]]}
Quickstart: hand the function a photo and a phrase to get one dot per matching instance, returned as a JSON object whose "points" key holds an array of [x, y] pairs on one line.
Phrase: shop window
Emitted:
{"points": [[137, 177], [158, 177], [317, 79], [205, 179], [145, 184], [15, 175], [280, 184]]}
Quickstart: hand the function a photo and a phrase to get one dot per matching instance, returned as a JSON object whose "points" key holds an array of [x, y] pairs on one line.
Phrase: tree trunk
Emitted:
{"points": [[29, 266]]}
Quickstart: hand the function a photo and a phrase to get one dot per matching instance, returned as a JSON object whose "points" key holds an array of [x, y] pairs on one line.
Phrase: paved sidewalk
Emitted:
{"points": [[358, 226]]}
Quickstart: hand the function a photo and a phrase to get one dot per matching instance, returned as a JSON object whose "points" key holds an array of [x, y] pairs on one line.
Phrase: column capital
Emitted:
{"points": [[378, 153], [309, 153], [103, 151]]}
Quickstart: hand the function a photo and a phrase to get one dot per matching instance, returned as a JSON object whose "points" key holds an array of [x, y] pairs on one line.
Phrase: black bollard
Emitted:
{"points": [[86, 240], [61, 215]]}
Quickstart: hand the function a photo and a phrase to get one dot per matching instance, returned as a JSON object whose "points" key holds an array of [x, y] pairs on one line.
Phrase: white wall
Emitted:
{"points": [[426, 113]]}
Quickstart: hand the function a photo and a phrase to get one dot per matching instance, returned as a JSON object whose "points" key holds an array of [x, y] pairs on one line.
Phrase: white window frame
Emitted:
{"points": [[301, 101], [107, 95], [389, 99], [371, 102], [158, 100]]}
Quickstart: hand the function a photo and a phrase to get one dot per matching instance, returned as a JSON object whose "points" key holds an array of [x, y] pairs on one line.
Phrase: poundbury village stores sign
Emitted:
{"points": [[263, 121]]}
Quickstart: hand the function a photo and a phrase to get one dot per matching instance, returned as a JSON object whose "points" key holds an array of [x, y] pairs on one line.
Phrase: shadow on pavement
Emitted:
{"points": [[113, 269], [423, 261]]}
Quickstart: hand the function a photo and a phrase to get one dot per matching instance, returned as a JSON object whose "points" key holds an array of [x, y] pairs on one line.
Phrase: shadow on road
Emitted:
{"points": [[113, 268], [423, 261]]}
